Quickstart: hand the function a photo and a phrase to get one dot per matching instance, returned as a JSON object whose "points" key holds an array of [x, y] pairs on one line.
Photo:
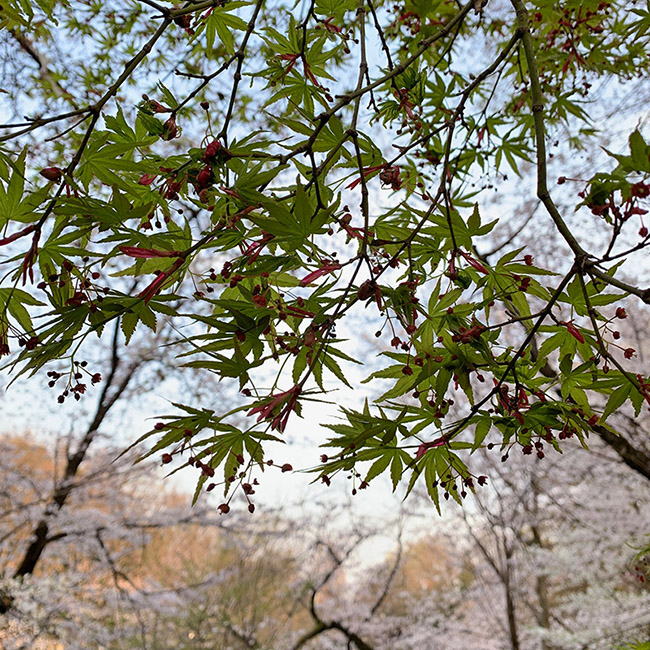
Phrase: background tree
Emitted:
{"points": [[547, 563]]}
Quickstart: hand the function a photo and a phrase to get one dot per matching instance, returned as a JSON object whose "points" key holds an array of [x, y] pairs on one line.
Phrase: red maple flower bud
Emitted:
{"points": [[390, 176], [170, 130], [259, 301], [32, 342], [211, 151], [474, 263], [640, 189], [573, 330], [166, 459], [183, 21], [366, 290], [204, 177], [621, 313], [147, 179], [53, 174]]}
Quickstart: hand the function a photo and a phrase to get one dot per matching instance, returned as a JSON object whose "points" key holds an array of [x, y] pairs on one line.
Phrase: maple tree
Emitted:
{"points": [[287, 172]]}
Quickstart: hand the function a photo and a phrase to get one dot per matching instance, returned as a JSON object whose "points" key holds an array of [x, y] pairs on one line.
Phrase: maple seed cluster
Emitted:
{"points": [[6, 329], [204, 461], [74, 385], [247, 487], [628, 353], [449, 483], [52, 174], [353, 475], [77, 285]]}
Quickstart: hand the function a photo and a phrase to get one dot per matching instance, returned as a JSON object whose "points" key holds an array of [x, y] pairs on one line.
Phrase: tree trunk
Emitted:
{"points": [[510, 601]]}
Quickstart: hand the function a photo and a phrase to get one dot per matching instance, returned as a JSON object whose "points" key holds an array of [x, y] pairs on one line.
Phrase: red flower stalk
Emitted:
{"points": [[300, 313], [407, 14], [330, 267], [366, 172], [425, 446], [18, 235], [149, 292], [147, 179], [504, 398], [474, 263], [309, 74], [330, 27], [4, 339], [468, 335], [30, 257], [157, 107], [135, 251], [354, 232], [287, 400], [573, 330], [453, 273], [254, 250], [644, 388], [229, 192], [289, 57]]}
